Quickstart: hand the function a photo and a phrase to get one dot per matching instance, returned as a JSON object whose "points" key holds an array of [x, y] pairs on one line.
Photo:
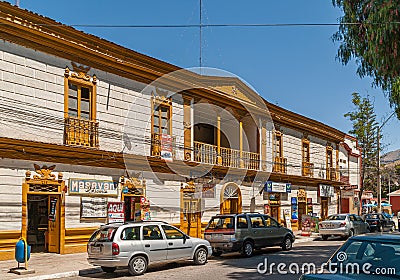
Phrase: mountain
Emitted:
{"points": [[390, 157]]}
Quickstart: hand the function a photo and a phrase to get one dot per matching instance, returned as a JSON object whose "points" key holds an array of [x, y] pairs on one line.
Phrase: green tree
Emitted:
{"points": [[369, 32], [364, 129]]}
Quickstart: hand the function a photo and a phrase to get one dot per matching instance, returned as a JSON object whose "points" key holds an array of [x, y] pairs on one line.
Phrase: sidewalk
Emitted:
{"points": [[300, 238], [50, 266], [53, 266]]}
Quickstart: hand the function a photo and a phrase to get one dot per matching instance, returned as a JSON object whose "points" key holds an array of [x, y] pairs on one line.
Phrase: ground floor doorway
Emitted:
{"points": [[302, 210], [43, 229], [324, 207], [132, 208]]}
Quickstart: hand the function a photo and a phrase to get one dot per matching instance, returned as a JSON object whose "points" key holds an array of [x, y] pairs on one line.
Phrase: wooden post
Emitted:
{"points": [[219, 158], [241, 144]]}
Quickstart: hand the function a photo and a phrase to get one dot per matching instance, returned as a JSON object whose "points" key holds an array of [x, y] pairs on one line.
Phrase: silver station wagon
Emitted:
{"points": [[344, 225], [136, 245]]}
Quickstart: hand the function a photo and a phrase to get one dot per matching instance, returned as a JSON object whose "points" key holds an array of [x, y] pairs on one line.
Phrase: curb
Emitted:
{"points": [[63, 274]]}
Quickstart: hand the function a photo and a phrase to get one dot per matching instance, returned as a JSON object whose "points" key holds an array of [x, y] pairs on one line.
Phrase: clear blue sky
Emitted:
{"points": [[293, 67]]}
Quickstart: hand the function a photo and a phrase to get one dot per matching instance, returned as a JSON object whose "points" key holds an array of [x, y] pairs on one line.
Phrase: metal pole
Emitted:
{"points": [[379, 172]]}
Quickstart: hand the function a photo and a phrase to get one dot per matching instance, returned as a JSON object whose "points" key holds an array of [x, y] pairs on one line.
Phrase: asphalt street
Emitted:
{"points": [[233, 266]]}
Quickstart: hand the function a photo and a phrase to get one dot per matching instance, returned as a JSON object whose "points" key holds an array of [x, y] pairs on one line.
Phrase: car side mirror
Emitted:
{"points": [[184, 238]]}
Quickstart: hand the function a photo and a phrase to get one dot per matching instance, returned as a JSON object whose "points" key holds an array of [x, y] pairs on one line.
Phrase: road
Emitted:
{"points": [[233, 266]]}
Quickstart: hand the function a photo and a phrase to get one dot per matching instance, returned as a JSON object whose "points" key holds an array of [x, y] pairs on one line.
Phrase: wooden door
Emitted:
{"points": [[324, 208], [53, 232], [191, 217], [302, 210]]}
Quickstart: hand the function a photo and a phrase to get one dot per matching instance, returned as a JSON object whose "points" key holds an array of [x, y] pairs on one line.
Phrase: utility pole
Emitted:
{"points": [[379, 162]]}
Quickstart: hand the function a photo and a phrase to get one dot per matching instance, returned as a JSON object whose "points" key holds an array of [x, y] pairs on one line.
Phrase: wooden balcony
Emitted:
{"points": [[307, 169], [157, 145], [206, 153], [81, 132], [332, 174], [280, 164]]}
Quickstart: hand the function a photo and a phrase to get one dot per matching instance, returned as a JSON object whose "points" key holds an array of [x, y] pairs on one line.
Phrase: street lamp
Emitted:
{"points": [[379, 163]]}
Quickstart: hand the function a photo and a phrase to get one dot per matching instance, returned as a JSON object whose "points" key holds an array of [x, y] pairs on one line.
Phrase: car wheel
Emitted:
{"points": [[108, 269], [351, 233], [287, 244], [137, 265], [217, 253], [200, 256], [247, 249], [324, 237], [393, 228]]}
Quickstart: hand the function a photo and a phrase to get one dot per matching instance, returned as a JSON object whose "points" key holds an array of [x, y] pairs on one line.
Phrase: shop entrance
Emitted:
{"points": [[324, 207], [136, 206], [132, 208], [231, 199], [38, 222], [42, 206], [302, 210], [190, 218]]}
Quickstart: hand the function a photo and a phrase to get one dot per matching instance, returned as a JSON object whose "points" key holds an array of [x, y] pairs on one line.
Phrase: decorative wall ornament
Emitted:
{"points": [[44, 172]]}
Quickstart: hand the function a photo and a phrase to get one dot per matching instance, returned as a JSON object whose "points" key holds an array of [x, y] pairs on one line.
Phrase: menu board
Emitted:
{"points": [[93, 207]]}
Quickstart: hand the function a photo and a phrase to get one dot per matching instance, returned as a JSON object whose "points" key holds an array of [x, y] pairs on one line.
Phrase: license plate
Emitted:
{"points": [[216, 236], [96, 249]]}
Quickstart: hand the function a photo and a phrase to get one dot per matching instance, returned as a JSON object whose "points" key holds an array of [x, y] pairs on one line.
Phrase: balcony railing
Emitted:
{"points": [[307, 169], [332, 174], [206, 153], [157, 145], [280, 164], [81, 132]]}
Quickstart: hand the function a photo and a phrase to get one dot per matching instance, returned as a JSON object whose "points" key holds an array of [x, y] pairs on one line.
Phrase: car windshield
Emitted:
{"points": [[370, 254], [221, 223], [372, 216], [105, 234], [336, 218]]}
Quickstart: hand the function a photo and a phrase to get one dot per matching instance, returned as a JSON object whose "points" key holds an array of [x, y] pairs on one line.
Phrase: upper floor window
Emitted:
{"points": [[162, 119], [79, 94], [278, 144], [80, 101], [306, 151], [81, 128]]}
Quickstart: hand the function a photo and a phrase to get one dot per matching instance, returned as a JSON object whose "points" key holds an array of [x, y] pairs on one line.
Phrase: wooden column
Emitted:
{"points": [[263, 150], [241, 144], [187, 124], [219, 158]]}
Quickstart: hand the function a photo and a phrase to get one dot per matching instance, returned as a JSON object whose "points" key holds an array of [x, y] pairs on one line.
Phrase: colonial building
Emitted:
{"points": [[350, 175], [86, 124]]}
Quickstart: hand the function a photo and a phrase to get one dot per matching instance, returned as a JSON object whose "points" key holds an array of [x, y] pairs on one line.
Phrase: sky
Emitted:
{"points": [[294, 67]]}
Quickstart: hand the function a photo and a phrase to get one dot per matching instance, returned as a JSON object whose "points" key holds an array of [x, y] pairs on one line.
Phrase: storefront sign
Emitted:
{"points": [[294, 208], [115, 212], [326, 191], [145, 209], [301, 196], [53, 209], [93, 187], [274, 199], [347, 193], [93, 207], [208, 191], [277, 187], [166, 147]]}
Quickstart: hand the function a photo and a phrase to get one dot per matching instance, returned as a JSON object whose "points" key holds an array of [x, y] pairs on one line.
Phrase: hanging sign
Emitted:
{"points": [[115, 212], [53, 209], [166, 147], [92, 187], [326, 191], [270, 186], [145, 209]]}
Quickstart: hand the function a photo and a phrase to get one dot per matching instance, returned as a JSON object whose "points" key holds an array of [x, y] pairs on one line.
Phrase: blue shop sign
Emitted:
{"points": [[270, 186]]}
